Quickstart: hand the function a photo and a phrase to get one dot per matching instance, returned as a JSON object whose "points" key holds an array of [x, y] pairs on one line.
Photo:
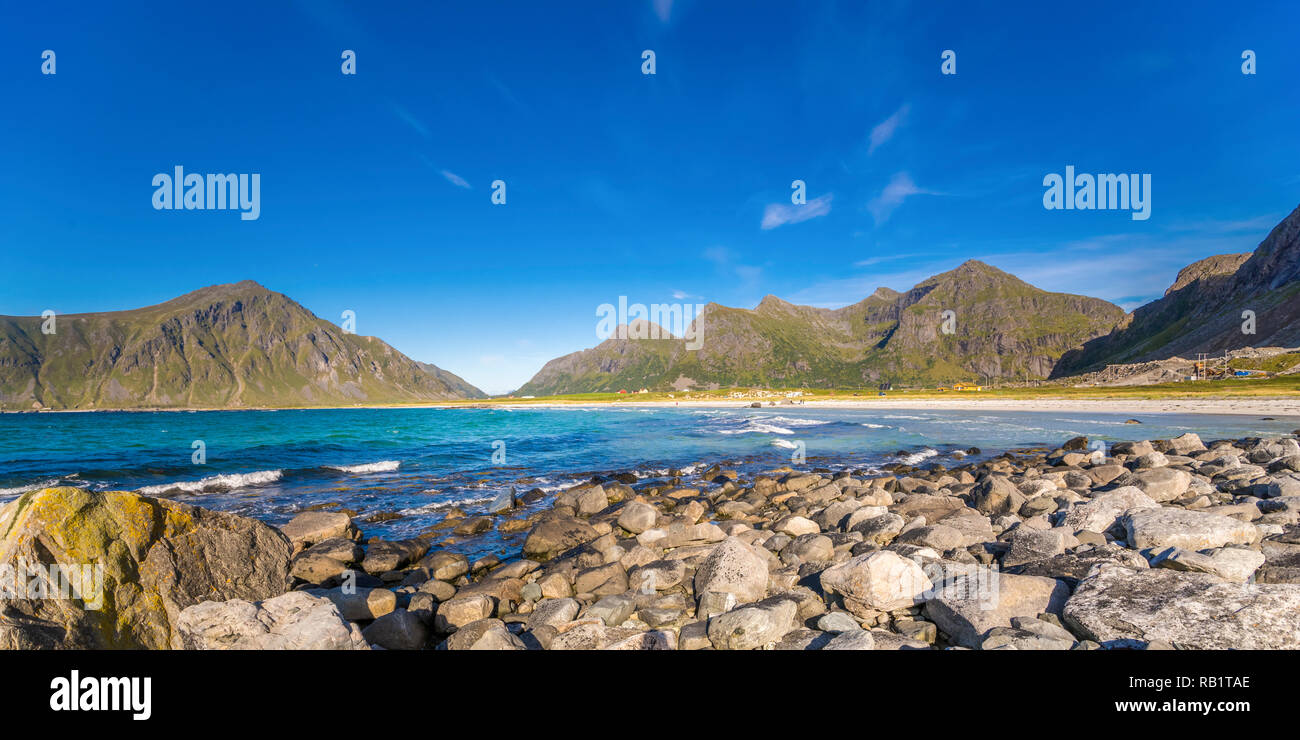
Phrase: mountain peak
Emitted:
{"points": [[234, 345], [772, 303]]}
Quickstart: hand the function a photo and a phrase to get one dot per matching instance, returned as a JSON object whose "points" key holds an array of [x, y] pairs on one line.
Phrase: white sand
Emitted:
{"points": [[1250, 407]]}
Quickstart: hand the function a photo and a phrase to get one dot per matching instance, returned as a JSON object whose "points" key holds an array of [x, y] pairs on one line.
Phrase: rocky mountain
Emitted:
{"points": [[1203, 310], [224, 346], [1002, 327]]}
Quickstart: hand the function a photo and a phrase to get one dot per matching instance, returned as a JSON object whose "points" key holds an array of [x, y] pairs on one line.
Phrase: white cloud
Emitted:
{"points": [[884, 131], [663, 9], [779, 214], [455, 179], [900, 187], [748, 275]]}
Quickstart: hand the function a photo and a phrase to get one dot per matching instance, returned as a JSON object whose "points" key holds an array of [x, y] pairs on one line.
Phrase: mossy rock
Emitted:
{"points": [[157, 558]]}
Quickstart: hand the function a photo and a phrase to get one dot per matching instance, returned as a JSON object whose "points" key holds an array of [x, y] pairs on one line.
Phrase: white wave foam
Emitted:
{"points": [[785, 443], [757, 427], [917, 457], [874, 426], [436, 506], [383, 466], [20, 490], [794, 422], [216, 483]]}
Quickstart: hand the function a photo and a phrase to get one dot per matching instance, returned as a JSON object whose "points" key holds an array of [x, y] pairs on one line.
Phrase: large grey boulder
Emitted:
{"points": [[733, 568], [1119, 607], [972, 600], [881, 580], [1189, 530], [754, 626], [1100, 512], [293, 621]]}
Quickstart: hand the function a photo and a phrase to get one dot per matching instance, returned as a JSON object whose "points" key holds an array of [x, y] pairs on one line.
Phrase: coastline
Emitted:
{"points": [[1274, 407], [1056, 548]]}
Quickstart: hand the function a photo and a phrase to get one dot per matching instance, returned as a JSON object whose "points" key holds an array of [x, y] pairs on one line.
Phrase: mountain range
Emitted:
{"points": [[1000, 327], [1205, 310], [241, 345], [225, 346], [1003, 328]]}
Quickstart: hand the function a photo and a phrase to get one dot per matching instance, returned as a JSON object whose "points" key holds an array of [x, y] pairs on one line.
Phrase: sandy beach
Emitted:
{"points": [[1250, 407]]}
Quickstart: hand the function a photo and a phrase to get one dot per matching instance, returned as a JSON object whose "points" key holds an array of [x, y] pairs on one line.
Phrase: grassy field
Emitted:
{"points": [[1283, 387]]}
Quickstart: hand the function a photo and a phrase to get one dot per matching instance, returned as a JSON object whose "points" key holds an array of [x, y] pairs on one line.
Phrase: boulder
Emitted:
{"points": [[293, 621], [880, 580], [971, 601], [1235, 564], [1120, 607], [446, 566], [385, 555], [636, 517], [484, 634], [996, 495], [753, 626], [360, 604], [857, 640], [311, 527], [1029, 544], [397, 630], [459, 611], [1162, 484], [1072, 567], [1190, 530], [557, 534], [1100, 512], [140, 562], [733, 568]]}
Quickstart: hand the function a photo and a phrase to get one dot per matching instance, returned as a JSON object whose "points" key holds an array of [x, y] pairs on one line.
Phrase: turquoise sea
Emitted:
{"points": [[417, 463]]}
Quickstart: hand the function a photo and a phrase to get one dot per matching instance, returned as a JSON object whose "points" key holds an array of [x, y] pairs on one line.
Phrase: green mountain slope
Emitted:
{"points": [[225, 346], [1203, 310], [1004, 328]]}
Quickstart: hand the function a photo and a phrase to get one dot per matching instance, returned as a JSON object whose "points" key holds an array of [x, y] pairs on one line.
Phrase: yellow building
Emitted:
{"points": [[967, 387]]}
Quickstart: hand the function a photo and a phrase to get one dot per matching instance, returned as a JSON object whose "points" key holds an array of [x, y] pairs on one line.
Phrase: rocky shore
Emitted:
{"points": [[1158, 544]]}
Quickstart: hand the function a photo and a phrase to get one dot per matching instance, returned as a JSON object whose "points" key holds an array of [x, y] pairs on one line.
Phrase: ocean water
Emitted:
{"points": [[411, 465]]}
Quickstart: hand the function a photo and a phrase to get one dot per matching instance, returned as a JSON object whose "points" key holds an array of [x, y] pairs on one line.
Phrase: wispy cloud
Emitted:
{"points": [[663, 9], [410, 119], [868, 262], [1260, 224], [681, 295], [726, 262], [455, 179], [884, 131], [779, 214], [899, 189]]}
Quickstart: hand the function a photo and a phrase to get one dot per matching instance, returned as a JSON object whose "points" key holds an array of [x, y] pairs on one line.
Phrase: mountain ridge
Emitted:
{"points": [[888, 336], [234, 345], [1203, 311]]}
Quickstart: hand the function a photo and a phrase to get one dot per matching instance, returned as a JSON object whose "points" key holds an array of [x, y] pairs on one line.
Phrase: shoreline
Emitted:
{"points": [[1043, 549], [1274, 407]]}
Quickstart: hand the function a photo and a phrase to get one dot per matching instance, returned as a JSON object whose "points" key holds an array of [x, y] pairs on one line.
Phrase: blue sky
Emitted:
{"points": [[375, 188]]}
